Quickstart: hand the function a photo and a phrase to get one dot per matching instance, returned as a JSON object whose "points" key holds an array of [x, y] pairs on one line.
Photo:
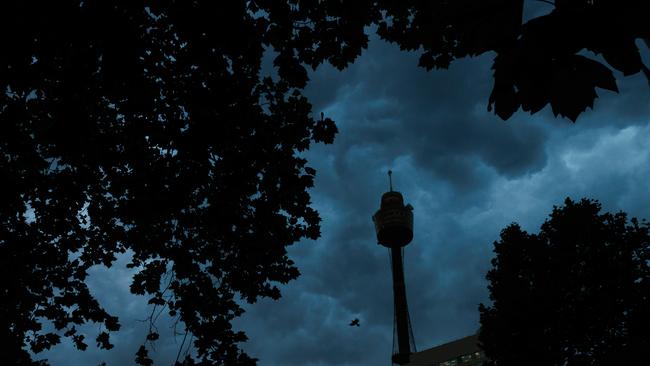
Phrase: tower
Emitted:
{"points": [[394, 228]]}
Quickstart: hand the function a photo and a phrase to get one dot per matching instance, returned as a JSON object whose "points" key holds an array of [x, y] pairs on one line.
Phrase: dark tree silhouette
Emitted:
{"points": [[147, 129], [537, 63], [146, 126], [576, 293]]}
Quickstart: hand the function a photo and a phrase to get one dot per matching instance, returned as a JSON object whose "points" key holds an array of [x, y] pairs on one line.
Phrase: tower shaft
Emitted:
{"points": [[401, 308], [394, 228]]}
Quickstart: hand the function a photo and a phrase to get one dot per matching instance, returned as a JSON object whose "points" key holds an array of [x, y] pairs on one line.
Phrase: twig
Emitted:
{"points": [[180, 349]]}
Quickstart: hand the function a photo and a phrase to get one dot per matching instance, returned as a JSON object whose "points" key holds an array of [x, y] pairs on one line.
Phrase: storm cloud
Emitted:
{"points": [[467, 173]]}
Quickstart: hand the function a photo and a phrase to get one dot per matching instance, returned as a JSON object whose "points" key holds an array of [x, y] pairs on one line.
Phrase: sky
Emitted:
{"points": [[468, 175]]}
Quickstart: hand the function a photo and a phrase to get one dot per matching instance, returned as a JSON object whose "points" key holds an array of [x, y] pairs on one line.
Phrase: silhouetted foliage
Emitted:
{"points": [[149, 130], [542, 61], [539, 62], [577, 293], [146, 126]]}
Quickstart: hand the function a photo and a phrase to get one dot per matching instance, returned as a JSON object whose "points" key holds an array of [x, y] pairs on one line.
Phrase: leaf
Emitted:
{"points": [[324, 131], [112, 323], [504, 100], [290, 69], [573, 85], [103, 341], [623, 56], [600, 74], [142, 357]]}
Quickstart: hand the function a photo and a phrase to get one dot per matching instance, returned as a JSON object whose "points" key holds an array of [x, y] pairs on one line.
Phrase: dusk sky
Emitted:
{"points": [[467, 173]]}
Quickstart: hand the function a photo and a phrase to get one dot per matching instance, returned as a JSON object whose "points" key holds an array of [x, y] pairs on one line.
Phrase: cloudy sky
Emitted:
{"points": [[467, 173]]}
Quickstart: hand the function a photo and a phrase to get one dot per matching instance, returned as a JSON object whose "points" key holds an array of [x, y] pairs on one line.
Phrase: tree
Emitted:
{"points": [[146, 126], [542, 61], [538, 62], [576, 293]]}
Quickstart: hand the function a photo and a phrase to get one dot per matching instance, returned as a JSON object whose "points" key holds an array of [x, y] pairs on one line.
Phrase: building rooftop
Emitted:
{"points": [[461, 352]]}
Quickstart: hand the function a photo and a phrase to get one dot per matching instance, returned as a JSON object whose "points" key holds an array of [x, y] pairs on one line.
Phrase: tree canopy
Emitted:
{"points": [[539, 62], [576, 293], [147, 127]]}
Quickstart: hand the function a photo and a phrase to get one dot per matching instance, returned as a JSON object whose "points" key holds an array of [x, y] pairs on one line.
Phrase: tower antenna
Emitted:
{"points": [[390, 180]]}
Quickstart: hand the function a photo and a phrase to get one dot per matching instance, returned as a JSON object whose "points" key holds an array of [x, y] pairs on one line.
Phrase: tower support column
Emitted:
{"points": [[401, 308]]}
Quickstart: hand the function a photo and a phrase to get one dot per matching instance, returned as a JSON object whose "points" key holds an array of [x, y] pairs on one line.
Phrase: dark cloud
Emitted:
{"points": [[467, 173], [389, 107]]}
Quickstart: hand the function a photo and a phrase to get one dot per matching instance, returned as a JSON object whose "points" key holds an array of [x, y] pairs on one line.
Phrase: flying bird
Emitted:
{"points": [[355, 322]]}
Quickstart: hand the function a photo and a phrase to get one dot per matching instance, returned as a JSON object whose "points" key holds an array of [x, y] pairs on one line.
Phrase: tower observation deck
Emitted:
{"points": [[394, 228]]}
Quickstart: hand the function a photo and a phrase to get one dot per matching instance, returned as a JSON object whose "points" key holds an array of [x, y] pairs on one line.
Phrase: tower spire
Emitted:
{"points": [[390, 179]]}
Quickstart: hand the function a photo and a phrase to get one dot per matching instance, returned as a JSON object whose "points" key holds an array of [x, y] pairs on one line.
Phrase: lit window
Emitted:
{"points": [[449, 363]]}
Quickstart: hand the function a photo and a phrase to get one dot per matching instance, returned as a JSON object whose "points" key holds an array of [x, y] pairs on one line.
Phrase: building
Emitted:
{"points": [[461, 352]]}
